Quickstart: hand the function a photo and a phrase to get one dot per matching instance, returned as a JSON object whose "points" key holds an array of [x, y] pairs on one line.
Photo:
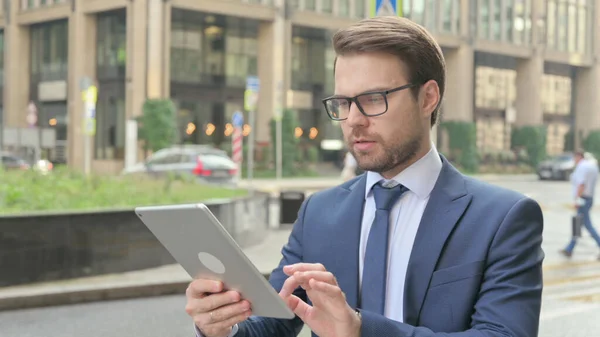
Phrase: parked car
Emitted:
{"points": [[559, 167], [14, 162], [203, 162]]}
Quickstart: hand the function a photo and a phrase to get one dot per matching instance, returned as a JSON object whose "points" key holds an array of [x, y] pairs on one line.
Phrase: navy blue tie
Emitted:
{"points": [[375, 263]]}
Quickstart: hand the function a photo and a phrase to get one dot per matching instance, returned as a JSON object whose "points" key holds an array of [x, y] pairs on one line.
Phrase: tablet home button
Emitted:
{"points": [[211, 262]]}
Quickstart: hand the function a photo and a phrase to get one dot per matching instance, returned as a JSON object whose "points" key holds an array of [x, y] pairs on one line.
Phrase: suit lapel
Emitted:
{"points": [[346, 245], [447, 203]]}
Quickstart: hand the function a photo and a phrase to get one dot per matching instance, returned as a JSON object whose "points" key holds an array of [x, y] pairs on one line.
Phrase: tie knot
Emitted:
{"points": [[385, 197]]}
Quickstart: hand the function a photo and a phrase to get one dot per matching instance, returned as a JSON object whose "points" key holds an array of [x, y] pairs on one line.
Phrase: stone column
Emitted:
{"points": [[135, 87], [460, 88], [586, 95], [16, 69], [528, 103], [156, 48], [82, 64], [274, 68]]}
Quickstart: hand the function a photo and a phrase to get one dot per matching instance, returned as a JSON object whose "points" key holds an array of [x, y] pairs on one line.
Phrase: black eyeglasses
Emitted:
{"points": [[370, 104]]}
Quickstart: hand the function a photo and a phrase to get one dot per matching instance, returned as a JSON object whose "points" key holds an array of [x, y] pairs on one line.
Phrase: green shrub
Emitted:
{"points": [[64, 190]]}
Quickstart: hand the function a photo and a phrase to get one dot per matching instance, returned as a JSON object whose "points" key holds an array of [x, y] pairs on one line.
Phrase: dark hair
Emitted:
{"points": [[401, 37]]}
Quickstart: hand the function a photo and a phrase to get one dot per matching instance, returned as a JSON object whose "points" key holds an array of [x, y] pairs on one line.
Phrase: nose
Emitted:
{"points": [[355, 117]]}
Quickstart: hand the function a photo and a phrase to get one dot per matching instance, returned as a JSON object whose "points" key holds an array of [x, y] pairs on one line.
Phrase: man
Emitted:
{"points": [[460, 256], [583, 180]]}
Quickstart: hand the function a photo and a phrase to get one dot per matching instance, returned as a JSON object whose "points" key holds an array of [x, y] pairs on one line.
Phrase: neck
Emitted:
{"points": [[423, 150]]}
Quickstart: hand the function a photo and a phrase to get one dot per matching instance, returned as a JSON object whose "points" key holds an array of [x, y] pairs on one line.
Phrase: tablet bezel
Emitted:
{"points": [[180, 244]]}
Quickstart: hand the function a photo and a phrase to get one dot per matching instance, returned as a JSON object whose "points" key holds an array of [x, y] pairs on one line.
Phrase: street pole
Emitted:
{"points": [[278, 133], [250, 101], [90, 95], [251, 122], [87, 144]]}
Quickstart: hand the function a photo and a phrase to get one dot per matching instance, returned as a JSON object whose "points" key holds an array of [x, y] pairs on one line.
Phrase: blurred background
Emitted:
{"points": [[110, 104]]}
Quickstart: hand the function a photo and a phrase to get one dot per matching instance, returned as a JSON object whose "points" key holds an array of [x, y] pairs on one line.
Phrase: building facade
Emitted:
{"points": [[510, 63]]}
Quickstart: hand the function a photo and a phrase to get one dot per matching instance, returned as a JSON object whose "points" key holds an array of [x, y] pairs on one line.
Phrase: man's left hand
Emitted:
{"points": [[330, 315]]}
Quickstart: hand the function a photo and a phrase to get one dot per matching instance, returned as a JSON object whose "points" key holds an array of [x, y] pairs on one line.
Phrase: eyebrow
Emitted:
{"points": [[363, 92]]}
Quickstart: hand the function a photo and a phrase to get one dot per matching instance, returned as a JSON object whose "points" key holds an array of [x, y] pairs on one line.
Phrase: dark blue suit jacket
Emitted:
{"points": [[475, 267]]}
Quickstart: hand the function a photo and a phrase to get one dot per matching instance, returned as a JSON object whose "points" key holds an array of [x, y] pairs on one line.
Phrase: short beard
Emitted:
{"points": [[393, 157]]}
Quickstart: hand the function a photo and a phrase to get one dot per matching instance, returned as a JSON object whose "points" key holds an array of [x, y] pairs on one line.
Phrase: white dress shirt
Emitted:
{"points": [[586, 174], [405, 216]]}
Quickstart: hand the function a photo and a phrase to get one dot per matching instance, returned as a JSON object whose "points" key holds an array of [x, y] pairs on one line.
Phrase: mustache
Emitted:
{"points": [[355, 135]]}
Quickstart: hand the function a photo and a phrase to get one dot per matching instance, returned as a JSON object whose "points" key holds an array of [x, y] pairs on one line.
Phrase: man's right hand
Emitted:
{"points": [[213, 310]]}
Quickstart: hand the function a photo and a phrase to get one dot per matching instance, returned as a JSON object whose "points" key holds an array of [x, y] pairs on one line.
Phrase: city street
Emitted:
{"points": [[571, 304]]}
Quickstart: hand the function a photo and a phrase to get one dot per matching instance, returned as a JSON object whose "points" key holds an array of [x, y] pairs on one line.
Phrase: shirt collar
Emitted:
{"points": [[420, 177]]}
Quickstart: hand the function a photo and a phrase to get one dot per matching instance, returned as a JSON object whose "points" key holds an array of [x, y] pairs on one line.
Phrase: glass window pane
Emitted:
{"points": [[447, 8], [582, 25], [359, 8], [344, 8], [496, 23], [572, 28], [484, 13], [562, 26], [326, 6]]}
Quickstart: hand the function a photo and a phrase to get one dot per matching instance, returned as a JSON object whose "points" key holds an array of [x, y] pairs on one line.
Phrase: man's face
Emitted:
{"points": [[387, 143]]}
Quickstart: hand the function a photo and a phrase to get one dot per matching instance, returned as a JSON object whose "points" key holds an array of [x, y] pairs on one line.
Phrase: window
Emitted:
{"points": [[1, 61], [111, 51], [109, 140], [326, 6], [495, 88], [568, 25], [213, 49], [241, 52], [556, 94], [344, 8], [450, 9], [49, 51], [359, 8]]}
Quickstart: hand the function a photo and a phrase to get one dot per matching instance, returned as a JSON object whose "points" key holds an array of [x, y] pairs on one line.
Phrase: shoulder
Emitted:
{"points": [[327, 195], [496, 199]]}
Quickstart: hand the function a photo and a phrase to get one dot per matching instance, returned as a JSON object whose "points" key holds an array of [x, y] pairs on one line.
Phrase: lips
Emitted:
{"points": [[363, 145]]}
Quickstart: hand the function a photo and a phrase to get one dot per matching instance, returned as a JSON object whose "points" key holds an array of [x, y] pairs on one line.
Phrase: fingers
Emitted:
{"points": [[211, 302], [223, 328], [223, 314], [299, 307], [332, 291], [323, 276], [290, 284], [302, 278], [199, 288], [289, 270]]}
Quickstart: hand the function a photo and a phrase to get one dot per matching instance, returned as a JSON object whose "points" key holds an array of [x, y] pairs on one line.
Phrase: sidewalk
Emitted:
{"points": [[169, 279], [317, 183]]}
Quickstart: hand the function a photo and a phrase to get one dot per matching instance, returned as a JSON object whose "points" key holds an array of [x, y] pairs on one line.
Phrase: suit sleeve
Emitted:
{"points": [[509, 300], [291, 253]]}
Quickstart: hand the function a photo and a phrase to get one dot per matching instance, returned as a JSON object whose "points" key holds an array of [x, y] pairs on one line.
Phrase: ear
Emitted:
{"points": [[429, 98]]}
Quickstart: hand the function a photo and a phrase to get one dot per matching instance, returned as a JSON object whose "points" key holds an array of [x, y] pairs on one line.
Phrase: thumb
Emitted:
{"points": [[299, 307]]}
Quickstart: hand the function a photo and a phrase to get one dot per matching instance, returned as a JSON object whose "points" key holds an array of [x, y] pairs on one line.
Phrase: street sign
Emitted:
{"points": [[32, 117], [237, 143], [90, 96], [386, 7], [251, 93], [237, 119]]}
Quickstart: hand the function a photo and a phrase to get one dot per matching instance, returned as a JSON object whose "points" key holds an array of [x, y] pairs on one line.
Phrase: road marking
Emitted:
{"points": [[567, 310], [574, 279], [570, 264], [588, 298]]}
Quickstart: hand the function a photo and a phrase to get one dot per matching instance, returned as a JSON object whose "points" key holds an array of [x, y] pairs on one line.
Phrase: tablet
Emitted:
{"points": [[202, 246]]}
